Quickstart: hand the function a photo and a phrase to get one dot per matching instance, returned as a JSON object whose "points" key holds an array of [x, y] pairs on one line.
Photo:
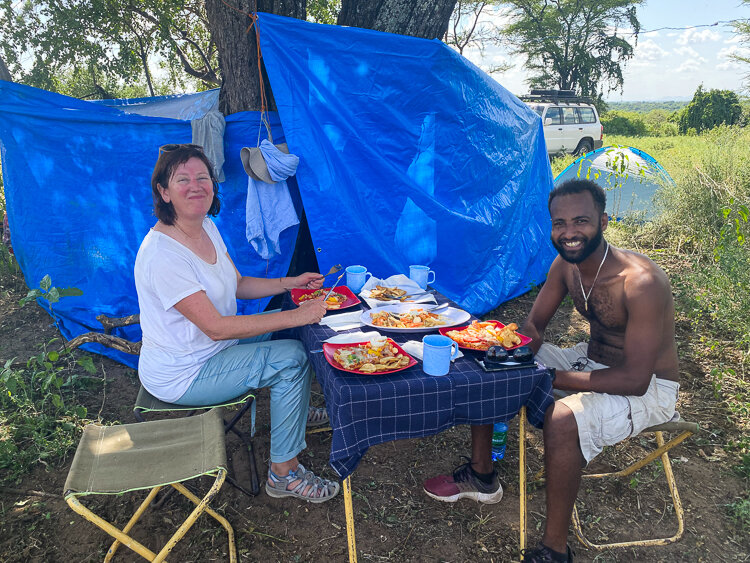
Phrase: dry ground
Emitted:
{"points": [[395, 520]]}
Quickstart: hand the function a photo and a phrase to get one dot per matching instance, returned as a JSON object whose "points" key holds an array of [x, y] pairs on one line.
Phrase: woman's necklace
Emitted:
{"points": [[587, 295], [199, 237]]}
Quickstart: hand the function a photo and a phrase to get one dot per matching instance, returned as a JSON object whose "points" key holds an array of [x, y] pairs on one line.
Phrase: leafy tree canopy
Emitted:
{"points": [[710, 109], [45, 40], [574, 44]]}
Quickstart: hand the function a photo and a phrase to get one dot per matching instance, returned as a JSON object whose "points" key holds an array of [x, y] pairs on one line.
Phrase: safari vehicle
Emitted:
{"points": [[571, 123]]}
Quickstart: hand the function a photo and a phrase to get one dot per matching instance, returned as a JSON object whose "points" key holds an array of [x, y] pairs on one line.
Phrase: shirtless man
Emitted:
{"points": [[623, 380]]}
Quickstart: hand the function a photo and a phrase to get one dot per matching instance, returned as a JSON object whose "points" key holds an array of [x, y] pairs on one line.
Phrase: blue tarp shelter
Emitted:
{"points": [[408, 154]]}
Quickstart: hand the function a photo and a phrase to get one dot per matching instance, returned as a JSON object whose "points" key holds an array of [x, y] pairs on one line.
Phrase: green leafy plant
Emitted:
{"points": [[39, 415]]}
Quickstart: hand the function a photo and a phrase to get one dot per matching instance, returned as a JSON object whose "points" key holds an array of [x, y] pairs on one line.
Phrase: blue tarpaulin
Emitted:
{"points": [[412, 155], [408, 154]]}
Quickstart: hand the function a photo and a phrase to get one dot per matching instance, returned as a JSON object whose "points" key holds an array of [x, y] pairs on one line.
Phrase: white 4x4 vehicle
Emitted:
{"points": [[571, 123]]}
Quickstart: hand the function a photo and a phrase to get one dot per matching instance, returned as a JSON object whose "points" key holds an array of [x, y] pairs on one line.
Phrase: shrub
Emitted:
{"points": [[624, 123]]}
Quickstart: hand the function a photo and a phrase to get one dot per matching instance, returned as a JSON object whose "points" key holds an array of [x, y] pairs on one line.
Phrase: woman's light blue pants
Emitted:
{"points": [[280, 365]]}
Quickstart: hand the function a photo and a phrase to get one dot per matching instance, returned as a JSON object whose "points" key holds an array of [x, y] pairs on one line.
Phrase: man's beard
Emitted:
{"points": [[588, 248]]}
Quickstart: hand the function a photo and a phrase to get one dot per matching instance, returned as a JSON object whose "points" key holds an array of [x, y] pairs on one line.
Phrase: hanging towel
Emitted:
{"points": [[208, 132], [269, 209]]}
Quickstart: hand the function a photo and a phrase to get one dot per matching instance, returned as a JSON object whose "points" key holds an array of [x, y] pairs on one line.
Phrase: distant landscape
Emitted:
{"points": [[645, 107]]}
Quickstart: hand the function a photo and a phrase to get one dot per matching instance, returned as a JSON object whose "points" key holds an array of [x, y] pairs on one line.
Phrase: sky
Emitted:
{"points": [[669, 64]]}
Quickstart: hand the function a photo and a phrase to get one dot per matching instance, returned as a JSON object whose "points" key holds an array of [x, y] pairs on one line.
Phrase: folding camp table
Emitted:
{"points": [[369, 410]]}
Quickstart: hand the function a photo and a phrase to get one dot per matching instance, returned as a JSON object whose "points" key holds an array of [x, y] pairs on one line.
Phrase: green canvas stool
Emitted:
{"points": [[115, 460], [147, 403]]}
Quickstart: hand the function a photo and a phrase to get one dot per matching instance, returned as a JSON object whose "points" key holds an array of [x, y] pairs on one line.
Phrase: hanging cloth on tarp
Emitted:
{"points": [[269, 209], [208, 132]]}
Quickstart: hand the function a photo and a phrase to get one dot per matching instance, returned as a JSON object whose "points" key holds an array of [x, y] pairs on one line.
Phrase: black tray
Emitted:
{"points": [[505, 366]]}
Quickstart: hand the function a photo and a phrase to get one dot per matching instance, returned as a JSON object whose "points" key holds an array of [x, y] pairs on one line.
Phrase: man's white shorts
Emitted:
{"points": [[603, 419]]}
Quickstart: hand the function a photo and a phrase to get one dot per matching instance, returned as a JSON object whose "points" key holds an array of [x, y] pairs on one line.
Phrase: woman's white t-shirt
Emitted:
{"points": [[174, 349]]}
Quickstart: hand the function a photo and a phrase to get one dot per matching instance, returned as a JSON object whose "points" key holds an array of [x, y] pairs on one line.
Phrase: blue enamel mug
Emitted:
{"points": [[437, 353]]}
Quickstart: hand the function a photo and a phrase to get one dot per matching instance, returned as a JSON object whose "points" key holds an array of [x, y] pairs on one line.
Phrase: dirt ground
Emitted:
{"points": [[395, 520]]}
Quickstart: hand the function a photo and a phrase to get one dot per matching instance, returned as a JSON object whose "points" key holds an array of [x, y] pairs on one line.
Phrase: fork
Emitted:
{"points": [[333, 270], [333, 286]]}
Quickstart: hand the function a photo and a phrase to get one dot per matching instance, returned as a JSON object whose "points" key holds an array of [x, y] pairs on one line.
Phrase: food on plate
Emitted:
{"points": [[413, 318], [382, 293], [481, 335], [333, 301], [368, 359]]}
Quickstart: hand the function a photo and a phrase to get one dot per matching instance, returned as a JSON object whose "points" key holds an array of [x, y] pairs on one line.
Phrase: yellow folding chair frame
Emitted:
{"points": [[114, 460], [122, 537], [685, 429]]}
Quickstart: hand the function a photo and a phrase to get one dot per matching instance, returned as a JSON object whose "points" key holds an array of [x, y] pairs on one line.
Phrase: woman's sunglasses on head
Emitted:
{"points": [[174, 146]]}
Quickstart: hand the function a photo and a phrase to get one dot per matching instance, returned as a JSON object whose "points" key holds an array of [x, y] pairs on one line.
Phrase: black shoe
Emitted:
{"points": [[543, 554]]}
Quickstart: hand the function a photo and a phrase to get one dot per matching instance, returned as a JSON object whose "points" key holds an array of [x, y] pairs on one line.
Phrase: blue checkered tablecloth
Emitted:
{"points": [[370, 409]]}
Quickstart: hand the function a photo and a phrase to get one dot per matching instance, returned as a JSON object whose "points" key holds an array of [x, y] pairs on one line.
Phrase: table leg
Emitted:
{"points": [[522, 477], [350, 520]]}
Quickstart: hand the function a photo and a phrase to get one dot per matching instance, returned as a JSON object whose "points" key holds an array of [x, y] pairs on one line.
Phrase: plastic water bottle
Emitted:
{"points": [[499, 438]]}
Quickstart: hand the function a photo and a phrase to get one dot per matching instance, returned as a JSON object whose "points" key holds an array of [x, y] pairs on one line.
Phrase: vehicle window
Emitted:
{"points": [[555, 115], [587, 115], [538, 109], [570, 115]]}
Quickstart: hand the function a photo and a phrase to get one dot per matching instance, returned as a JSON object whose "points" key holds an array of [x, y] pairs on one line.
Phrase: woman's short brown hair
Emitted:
{"points": [[170, 157]]}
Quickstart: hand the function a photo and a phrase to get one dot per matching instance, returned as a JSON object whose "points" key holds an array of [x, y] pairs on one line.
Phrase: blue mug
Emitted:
{"points": [[356, 276], [421, 275], [437, 353]]}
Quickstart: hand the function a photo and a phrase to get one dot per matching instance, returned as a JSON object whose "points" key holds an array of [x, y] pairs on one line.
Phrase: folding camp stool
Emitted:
{"points": [[147, 403], [112, 460], [685, 430]]}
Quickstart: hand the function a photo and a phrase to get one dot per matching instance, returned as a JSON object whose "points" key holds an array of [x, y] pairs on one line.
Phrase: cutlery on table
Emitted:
{"points": [[333, 270], [334, 285]]}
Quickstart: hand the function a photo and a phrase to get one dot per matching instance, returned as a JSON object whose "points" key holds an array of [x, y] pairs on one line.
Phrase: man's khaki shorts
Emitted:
{"points": [[603, 419]]}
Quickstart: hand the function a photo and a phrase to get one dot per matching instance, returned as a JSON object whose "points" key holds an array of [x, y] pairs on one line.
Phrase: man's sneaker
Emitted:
{"points": [[464, 484], [543, 554]]}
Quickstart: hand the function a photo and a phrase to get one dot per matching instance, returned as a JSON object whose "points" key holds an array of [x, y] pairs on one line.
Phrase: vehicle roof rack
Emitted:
{"points": [[555, 96]]}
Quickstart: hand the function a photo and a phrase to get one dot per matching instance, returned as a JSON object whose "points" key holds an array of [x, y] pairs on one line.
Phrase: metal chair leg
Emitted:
{"points": [[349, 510], [662, 450], [522, 478]]}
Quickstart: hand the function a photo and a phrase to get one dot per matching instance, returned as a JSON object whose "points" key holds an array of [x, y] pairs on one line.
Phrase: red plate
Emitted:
{"points": [[329, 349], [351, 299], [524, 339]]}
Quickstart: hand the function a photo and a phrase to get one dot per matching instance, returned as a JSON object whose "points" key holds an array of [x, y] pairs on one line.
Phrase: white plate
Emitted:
{"points": [[454, 317]]}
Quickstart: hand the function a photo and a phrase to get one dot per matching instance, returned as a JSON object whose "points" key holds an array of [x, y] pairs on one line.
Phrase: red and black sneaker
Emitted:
{"points": [[464, 484]]}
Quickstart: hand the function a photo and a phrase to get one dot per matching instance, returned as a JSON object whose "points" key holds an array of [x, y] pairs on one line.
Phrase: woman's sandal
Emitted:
{"points": [[310, 487], [316, 416]]}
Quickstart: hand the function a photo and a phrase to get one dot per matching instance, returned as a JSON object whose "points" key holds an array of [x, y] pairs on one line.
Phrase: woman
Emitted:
{"points": [[192, 353]]}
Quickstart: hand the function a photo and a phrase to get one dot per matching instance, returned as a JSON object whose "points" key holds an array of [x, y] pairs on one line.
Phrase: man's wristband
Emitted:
{"points": [[552, 374]]}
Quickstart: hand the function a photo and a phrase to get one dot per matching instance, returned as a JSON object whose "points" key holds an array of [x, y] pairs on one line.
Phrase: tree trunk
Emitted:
{"points": [[419, 18], [237, 47], [4, 72]]}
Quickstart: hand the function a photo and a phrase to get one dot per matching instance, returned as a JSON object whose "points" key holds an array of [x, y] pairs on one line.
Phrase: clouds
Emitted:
{"points": [[692, 36], [648, 53], [726, 55]]}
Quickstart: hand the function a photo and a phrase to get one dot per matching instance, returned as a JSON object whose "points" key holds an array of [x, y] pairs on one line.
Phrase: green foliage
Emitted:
{"points": [[39, 414], [573, 44], [739, 511], [108, 42], [710, 109], [323, 11], [624, 123], [39, 417]]}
